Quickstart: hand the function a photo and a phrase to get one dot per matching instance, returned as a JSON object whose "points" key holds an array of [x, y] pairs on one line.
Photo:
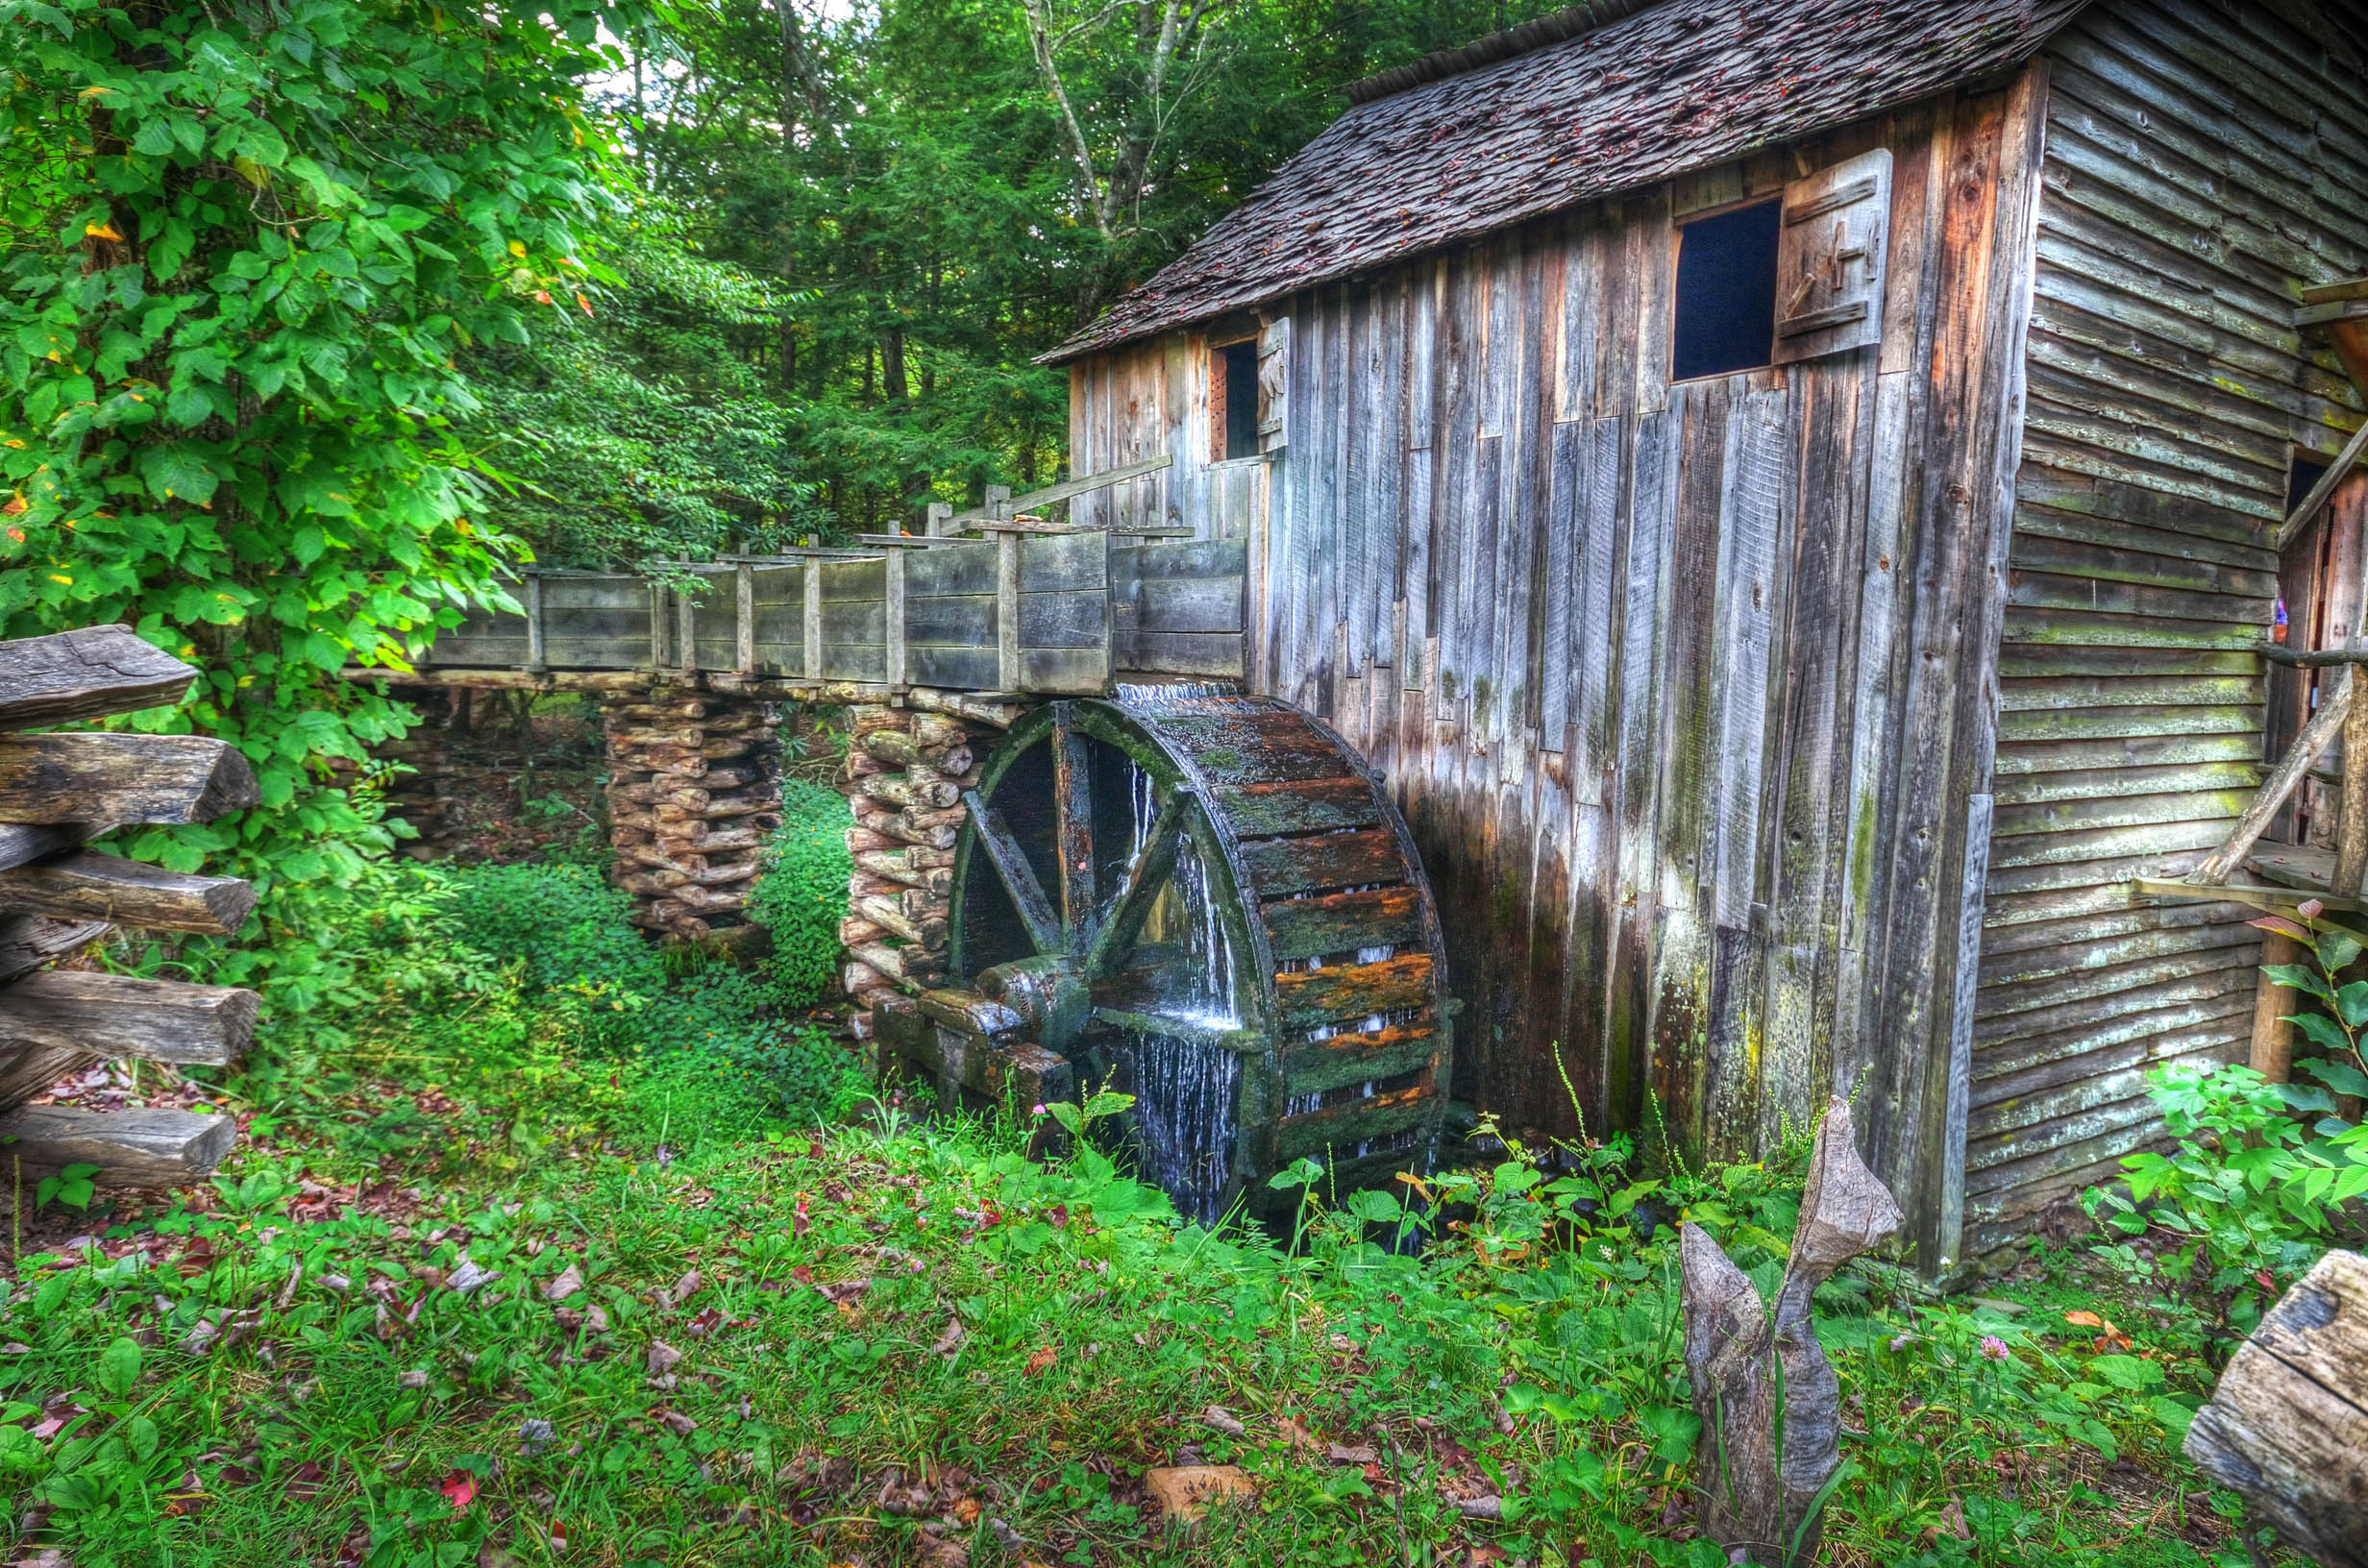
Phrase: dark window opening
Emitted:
{"points": [[1237, 399], [1726, 292], [2302, 480]]}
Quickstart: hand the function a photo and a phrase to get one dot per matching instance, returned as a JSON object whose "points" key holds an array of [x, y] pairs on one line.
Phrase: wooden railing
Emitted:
{"points": [[58, 791], [1022, 607]]}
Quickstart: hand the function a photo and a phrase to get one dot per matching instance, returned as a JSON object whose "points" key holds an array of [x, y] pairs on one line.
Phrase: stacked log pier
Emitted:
{"points": [[423, 796], [694, 790], [58, 791], [906, 769]]}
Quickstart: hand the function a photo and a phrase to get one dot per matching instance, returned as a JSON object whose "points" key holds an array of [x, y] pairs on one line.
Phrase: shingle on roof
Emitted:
{"points": [[1681, 86]]}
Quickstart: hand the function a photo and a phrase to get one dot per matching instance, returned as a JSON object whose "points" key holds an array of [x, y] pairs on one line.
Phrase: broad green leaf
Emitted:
{"points": [[2351, 1003], [119, 1367], [2343, 1077]]}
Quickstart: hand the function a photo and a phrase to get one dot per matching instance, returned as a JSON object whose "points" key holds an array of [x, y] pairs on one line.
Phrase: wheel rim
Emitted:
{"points": [[1231, 889]]}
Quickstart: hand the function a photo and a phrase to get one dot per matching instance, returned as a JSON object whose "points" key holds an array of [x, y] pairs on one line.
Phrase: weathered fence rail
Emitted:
{"points": [[58, 791], [1019, 612]]}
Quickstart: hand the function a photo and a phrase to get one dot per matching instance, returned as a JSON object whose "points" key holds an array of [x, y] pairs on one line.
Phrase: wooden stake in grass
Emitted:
{"points": [[1770, 1403]]}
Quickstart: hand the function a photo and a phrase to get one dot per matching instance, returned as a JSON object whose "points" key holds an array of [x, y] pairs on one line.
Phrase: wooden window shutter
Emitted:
{"points": [[1274, 382], [1829, 259]]}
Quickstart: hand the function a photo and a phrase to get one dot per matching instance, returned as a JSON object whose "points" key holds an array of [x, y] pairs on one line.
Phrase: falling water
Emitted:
{"points": [[1184, 1115], [1181, 691]]}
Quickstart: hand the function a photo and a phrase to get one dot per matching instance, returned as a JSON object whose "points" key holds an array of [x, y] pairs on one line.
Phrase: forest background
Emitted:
{"points": [[319, 316]]}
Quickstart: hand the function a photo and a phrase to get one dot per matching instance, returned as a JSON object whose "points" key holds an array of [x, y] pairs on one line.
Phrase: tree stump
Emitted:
{"points": [[1750, 1370], [2288, 1427]]}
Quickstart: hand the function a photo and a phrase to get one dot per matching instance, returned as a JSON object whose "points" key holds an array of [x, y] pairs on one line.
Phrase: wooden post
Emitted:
{"points": [[534, 621], [2273, 1038], [2288, 1427], [743, 617], [998, 502], [813, 620], [686, 634], [657, 628], [1007, 670], [891, 618], [939, 523]]}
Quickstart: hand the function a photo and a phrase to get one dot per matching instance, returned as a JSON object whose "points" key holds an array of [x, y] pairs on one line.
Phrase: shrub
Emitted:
{"points": [[567, 926], [803, 892]]}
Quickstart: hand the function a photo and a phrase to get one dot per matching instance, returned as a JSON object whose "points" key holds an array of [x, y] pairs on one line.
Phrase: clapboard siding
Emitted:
{"points": [[2200, 168], [1686, 690]]}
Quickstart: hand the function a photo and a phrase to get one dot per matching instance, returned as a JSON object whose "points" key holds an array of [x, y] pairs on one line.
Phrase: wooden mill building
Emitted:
{"points": [[1789, 492]]}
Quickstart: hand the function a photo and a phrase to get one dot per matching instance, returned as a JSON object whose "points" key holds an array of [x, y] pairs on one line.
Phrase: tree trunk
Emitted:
{"points": [[1753, 1374]]}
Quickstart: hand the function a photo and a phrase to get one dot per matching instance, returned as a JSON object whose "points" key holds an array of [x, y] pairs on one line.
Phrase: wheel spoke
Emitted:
{"points": [[1019, 877], [1073, 801], [1144, 878]]}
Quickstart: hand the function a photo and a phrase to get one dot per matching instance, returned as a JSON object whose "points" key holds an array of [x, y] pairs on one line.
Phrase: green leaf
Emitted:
{"points": [[2351, 1003], [177, 474], [2323, 1031], [119, 1366], [2343, 1077], [141, 1434], [2172, 1414], [2300, 978], [2337, 949]]}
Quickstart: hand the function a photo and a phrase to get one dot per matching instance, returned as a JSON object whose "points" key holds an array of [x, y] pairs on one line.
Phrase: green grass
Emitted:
{"points": [[285, 1370]]}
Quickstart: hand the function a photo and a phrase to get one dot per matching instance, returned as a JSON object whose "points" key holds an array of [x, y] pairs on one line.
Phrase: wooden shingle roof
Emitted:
{"points": [[1675, 86]]}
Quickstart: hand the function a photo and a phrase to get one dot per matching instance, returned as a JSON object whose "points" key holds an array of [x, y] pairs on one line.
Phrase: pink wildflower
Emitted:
{"points": [[1995, 1349]]}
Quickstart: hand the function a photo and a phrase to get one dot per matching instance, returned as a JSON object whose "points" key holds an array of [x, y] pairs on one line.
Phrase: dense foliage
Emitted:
{"points": [[247, 246], [803, 892]]}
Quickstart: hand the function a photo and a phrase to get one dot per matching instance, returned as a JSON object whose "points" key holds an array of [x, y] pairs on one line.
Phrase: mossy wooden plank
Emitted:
{"points": [[2121, 811], [2091, 754], [1309, 997], [1314, 1066], [1259, 810], [2106, 842], [2077, 625], [1345, 859], [2015, 790], [2024, 695], [1338, 1130], [1343, 922], [2059, 724]]}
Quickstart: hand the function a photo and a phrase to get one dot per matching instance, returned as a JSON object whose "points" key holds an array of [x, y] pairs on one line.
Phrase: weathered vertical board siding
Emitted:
{"points": [[2201, 162], [1649, 666]]}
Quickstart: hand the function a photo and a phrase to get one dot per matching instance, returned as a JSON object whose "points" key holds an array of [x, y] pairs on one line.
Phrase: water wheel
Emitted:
{"points": [[1207, 902]]}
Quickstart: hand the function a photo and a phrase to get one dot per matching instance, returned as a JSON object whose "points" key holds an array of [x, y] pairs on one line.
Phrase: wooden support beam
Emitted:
{"points": [[86, 884], [132, 1148], [1002, 503], [2323, 491], [2288, 1427], [2351, 826], [85, 675], [2312, 743], [507, 680], [117, 777], [122, 1014], [2317, 658]]}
